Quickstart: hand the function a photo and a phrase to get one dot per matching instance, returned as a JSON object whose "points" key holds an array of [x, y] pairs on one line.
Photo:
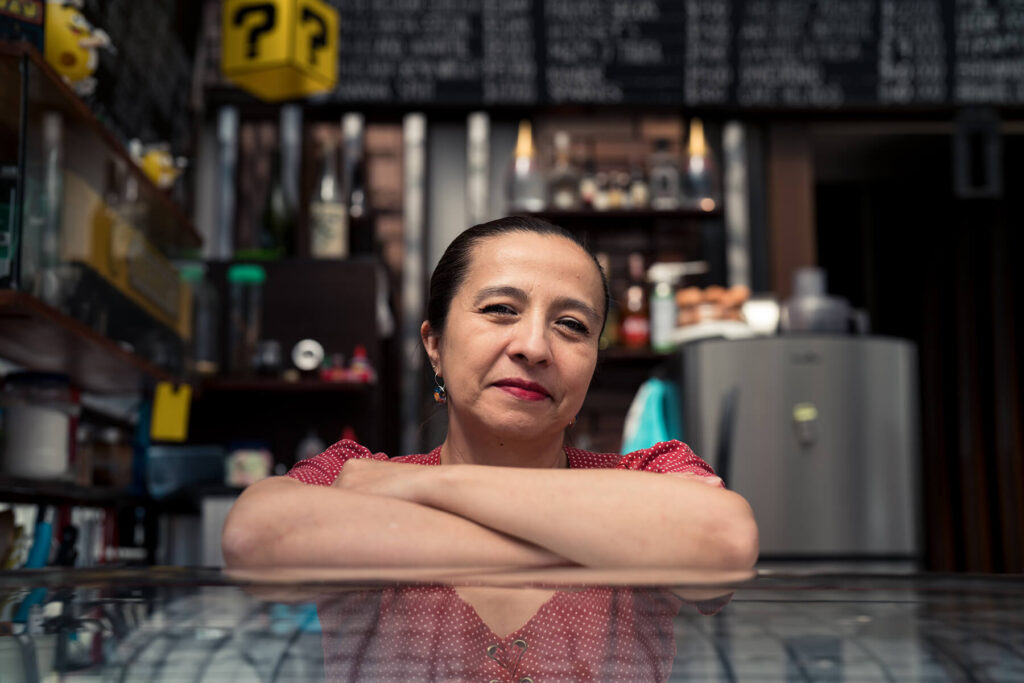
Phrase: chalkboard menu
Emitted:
{"points": [[777, 54]]}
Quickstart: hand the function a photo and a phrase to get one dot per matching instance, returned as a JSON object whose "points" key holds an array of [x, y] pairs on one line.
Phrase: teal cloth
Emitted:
{"points": [[655, 415]]}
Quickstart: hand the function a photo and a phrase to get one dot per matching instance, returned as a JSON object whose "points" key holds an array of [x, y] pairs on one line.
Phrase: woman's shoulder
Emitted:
{"points": [[323, 469], [665, 456]]}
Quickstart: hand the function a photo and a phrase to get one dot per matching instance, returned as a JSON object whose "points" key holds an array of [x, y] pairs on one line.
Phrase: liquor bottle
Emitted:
{"points": [[700, 187], [564, 182], [328, 218], [527, 186], [362, 239], [664, 177], [588, 178], [635, 326], [277, 223], [639, 191]]}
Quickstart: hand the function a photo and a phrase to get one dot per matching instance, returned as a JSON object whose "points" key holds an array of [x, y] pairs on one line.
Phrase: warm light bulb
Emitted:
{"points": [[697, 146], [524, 143]]}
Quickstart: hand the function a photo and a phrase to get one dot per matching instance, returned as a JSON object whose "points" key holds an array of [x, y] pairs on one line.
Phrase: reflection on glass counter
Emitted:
{"points": [[545, 625]]}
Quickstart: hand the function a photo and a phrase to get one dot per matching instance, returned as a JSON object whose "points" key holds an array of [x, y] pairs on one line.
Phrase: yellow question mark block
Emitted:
{"points": [[280, 49]]}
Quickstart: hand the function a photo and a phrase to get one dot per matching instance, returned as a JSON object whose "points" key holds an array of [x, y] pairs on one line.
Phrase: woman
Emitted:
{"points": [[515, 310]]}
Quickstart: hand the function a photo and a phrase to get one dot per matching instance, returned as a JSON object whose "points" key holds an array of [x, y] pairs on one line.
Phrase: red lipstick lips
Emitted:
{"points": [[521, 388]]}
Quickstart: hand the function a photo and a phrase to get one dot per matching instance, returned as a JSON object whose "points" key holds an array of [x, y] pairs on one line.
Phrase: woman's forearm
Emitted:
{"points": [[282, 522], [604, 518]]}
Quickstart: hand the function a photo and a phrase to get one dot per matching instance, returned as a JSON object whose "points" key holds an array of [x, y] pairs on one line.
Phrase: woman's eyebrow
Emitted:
{"points": [[500, 290]]}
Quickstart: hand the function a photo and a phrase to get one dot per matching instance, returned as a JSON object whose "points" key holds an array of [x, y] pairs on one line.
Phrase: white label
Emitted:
{"points": [[328, 224]]}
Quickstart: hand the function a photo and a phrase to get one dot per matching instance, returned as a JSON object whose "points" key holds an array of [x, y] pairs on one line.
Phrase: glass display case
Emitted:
{"points": [[86, 240]]}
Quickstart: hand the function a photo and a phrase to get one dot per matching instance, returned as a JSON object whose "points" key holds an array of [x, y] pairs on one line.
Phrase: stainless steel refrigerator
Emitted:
{"points": [[818, 432]]}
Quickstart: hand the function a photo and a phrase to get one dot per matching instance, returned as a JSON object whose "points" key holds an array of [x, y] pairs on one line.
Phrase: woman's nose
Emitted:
{"points": [[530, 341]]}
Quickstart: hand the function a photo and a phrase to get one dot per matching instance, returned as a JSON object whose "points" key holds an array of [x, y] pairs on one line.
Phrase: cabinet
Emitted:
{"points": [[86, 242]]}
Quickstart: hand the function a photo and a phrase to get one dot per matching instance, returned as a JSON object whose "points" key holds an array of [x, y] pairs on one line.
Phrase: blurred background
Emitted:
{"points": [[217, 222]]}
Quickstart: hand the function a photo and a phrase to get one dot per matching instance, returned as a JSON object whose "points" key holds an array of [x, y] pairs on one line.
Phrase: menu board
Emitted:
{"points": [[777, 54], [989, 61]]}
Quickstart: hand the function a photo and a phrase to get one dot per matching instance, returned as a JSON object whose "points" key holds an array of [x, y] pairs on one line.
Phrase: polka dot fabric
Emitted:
{"points": [[429, 633], [667, 456]]}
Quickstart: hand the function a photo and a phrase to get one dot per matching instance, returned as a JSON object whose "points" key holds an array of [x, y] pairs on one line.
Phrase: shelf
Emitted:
{"points": [[273, 385], [639, 355], [22, 490], [40, 337], [169, 224], [623, 214]]}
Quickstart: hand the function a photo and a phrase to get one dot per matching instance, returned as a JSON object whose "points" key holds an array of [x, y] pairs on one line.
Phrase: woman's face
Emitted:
{"points": [[520, 343]]}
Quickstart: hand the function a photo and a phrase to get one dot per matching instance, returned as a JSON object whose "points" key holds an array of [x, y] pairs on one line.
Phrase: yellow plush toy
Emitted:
{"points": [[71, 44], [157, 162]]}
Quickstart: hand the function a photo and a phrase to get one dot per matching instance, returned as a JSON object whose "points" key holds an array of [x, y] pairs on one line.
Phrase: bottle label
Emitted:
{"points": [[636, 330], [328, 224]]}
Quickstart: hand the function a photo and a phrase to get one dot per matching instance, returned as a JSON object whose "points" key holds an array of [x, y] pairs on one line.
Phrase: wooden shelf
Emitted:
{"points": [[40, 337], [168, 225], [274, 385], [22, 490], [624, 354]]}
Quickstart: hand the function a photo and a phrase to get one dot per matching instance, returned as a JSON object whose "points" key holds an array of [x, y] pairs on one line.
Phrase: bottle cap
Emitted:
{"points": [[247, 273]]}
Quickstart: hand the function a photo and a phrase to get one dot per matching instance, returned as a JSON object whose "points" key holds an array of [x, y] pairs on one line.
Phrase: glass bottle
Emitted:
{"points": [[588, 178], [700, 188], [277, 222], [639, 192], [362, 239], [564, 182], [664, 177], [205, 319], [328, 218], [245, 317], [527, 186], [635, 327]]}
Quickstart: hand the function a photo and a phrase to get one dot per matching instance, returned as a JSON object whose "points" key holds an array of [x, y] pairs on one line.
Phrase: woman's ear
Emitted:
{"points": [[431, 344]]}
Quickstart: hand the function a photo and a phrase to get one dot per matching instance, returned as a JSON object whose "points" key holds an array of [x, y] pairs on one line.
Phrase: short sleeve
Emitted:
{"points": [[664, 457], [323, 469]]}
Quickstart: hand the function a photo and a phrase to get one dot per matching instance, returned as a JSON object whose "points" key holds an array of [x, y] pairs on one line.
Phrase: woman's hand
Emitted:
{"points": [[387, 479]]}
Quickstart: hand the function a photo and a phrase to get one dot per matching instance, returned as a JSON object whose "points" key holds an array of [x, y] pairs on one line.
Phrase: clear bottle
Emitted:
{"points": [[664, 177], [639, 191], [527, 188], [205, 319], [328, 217], [664, 311], [362, 239], [564, 181], [277, 225], [700, 186], [635, 327], [245, 317], [588, 178]]}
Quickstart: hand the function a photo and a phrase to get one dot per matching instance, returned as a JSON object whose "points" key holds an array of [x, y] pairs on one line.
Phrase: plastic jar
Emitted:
{"points": [[38, 412], [245, 315]]}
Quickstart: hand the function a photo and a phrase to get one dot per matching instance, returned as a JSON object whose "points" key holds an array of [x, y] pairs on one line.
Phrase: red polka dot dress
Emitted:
{"points": [[429, 633]]}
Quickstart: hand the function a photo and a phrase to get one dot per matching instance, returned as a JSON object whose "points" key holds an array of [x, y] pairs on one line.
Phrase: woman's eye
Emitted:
{"points": [[574, 325], [500, 309]]}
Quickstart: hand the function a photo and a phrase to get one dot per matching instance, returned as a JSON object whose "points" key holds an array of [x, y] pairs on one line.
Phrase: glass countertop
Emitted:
{"points": [[172, 624]]}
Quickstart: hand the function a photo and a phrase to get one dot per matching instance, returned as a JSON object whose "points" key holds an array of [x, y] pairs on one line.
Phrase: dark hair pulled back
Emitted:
{"points": [[450, 272]]}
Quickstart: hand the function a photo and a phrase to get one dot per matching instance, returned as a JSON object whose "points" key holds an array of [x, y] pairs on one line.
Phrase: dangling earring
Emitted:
{"points": [[440, 395]]}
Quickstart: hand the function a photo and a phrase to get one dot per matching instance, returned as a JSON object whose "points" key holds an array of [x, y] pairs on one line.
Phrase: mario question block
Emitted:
{"points": [[280, 49]]}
